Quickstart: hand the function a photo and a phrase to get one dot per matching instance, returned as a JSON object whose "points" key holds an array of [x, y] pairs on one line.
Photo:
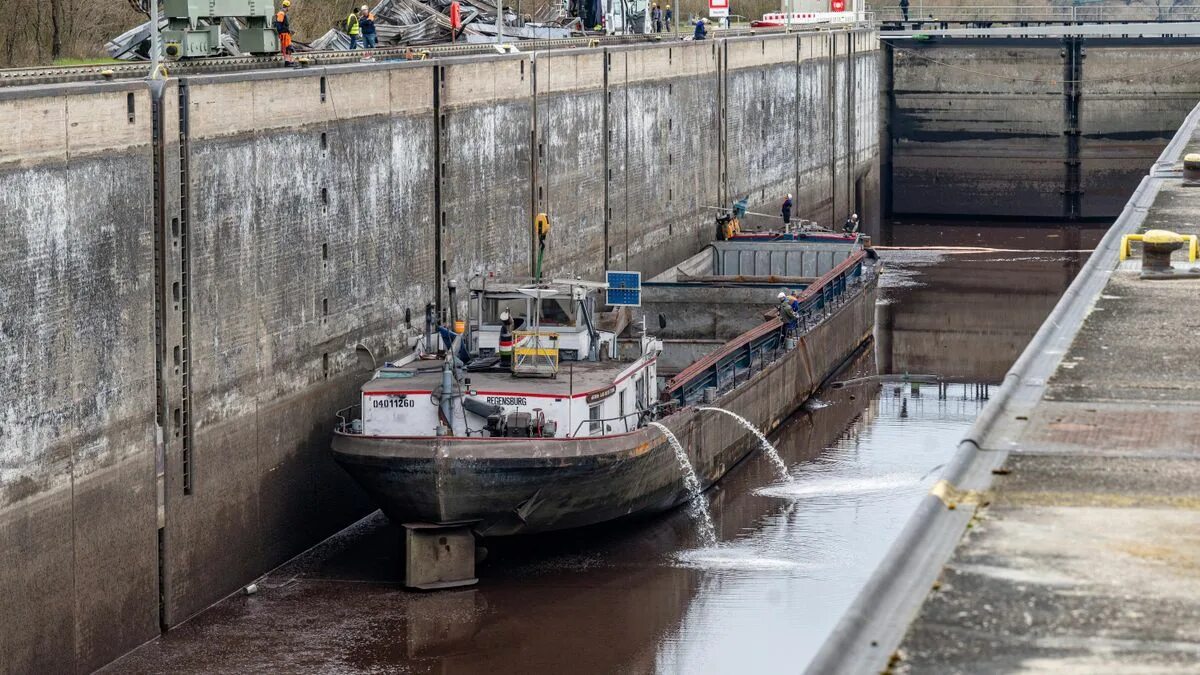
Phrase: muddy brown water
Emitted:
{"points": [[642, 596]]}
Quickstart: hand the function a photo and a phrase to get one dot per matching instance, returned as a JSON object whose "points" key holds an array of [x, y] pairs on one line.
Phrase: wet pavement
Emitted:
{"points": [[643, 596]]}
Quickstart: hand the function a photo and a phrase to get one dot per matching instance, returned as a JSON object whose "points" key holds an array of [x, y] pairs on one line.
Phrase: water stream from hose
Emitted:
{"points": [[696, 503], [767, 448]]}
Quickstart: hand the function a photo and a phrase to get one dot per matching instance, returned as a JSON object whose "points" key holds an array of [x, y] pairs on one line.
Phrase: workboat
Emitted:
{"points": [[550, 405]]}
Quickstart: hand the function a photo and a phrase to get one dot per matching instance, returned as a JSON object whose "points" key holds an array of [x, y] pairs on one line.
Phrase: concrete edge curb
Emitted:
{"points": [[876, 621]]}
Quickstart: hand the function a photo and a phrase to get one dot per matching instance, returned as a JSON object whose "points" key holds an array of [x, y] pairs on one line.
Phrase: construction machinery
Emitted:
{"points": [[197, 28]]}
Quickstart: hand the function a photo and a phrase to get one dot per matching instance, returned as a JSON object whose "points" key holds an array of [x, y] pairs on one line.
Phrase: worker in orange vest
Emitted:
{"points": [[285, 32], [455, 21]]}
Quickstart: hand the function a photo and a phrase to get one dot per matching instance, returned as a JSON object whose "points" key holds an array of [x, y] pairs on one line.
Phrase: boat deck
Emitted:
{"points": [[574, 378]]}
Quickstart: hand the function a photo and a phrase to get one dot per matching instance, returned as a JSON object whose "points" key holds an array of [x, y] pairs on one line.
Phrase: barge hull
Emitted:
{"points": [[516, 486]]}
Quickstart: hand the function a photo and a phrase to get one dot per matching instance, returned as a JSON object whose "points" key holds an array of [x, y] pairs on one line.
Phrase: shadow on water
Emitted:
{"points": [[645, 595]]}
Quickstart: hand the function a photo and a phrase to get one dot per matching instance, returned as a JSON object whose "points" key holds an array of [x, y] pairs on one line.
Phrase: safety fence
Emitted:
{"points": [[920, 12]]}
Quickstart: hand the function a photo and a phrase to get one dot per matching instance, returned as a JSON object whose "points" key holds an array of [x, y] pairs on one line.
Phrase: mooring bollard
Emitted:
{"points": [[1157, 247], [1191, 169]]}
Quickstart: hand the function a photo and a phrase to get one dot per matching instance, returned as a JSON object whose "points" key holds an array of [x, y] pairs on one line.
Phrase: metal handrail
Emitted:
{"points": [[624, 420], [346, 417], [919, 14], [653, 412], [816, 302]]}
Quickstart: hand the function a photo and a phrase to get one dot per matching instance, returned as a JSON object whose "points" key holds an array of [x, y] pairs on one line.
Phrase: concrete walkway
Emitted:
{"points": [[1084, 555]]}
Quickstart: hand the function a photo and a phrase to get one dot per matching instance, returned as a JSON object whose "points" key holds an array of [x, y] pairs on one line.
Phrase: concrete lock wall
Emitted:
{"points": [[1030, 127], [78, 560], [964, 144], [663, 150], [571, 158], [198, 291], [1131, 103]]}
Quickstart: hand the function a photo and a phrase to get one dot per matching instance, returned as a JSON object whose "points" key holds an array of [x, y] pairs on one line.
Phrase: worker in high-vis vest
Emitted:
{"points": [[352, 26], [284, 31]]}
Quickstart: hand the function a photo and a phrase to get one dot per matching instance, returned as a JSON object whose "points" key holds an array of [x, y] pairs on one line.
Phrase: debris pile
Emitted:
{"points": [[399, 23]]}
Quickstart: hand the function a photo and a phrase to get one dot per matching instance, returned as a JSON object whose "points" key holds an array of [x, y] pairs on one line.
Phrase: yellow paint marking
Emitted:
{"points": [[952, 496]]}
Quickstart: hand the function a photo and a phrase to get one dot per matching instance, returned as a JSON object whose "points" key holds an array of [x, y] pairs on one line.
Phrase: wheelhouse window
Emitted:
{"points": [[558, 312], [518, 308], [595, 426]]}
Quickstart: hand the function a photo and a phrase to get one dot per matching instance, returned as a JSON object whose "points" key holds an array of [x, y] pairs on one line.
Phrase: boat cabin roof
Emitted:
{"points": [[515, 289]]}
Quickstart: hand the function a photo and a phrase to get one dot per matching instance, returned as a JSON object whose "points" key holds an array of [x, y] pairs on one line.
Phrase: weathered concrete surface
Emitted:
{"points": [[856, 134], [571, 153], [302, 222], [78, 568], [763, 121], [1132, 100], [663, 152], [486, 108], [814, 187], [290, 301], [1083, 556], [984, 126], [981, 136]]}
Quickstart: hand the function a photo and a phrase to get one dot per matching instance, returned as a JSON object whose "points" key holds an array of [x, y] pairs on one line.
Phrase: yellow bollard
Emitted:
{"points": [[1162, 241]]}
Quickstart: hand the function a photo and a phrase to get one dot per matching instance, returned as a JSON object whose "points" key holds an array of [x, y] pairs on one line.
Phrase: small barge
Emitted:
{"points": [[537, 415]]}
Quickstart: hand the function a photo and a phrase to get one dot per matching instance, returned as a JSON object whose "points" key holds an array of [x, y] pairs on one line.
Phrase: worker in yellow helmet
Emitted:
{"points": [[285, 31]]}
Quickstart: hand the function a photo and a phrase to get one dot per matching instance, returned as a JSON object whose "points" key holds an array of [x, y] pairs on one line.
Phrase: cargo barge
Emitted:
{"points": [[537, 417]]}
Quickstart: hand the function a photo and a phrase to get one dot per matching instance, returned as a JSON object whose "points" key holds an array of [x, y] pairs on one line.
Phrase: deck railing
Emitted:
{"points": [[920, 13], [346, 418], [738, 360]]}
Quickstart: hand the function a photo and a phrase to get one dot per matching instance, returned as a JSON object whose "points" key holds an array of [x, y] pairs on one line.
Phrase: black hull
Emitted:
{"points": [[515, 486]]}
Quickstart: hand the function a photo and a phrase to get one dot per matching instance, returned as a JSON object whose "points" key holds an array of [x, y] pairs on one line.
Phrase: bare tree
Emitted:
{"points": [[56, 35]]}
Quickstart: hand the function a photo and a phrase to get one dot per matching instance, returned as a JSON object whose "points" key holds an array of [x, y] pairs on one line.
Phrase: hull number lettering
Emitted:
{"points": [[394, 403]]}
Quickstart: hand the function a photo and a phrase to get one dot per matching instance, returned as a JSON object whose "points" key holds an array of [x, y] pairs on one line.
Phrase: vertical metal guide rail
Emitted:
{"points": [[1073, 54], [185, 412]]}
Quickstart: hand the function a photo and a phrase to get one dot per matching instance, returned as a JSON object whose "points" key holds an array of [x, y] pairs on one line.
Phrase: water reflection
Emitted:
{"points": [[969, 315]]}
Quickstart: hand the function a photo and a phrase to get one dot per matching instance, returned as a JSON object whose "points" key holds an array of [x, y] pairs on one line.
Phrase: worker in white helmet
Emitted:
{"points": [[366, 24], [787, 314], [851, 224]]}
